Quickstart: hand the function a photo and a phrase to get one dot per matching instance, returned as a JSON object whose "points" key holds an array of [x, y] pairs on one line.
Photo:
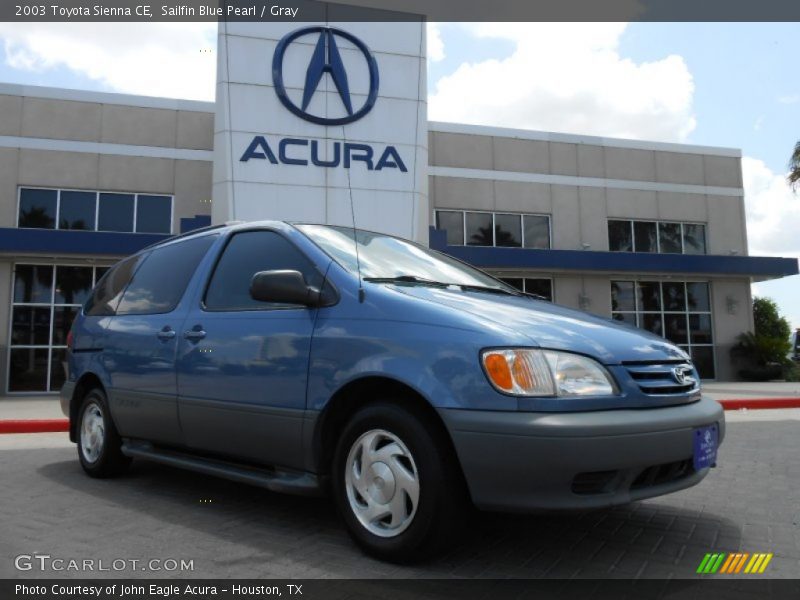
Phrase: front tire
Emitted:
{"points": [[99, 444], [396, 484]]}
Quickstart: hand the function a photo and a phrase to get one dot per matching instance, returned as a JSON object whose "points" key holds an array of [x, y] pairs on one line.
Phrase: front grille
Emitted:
{"points": [[595, 482], [659, 474], [663, 378], [605, 482]]}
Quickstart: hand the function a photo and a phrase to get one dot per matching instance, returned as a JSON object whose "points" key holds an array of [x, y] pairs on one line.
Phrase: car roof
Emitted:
{"points": [[227, 226]]}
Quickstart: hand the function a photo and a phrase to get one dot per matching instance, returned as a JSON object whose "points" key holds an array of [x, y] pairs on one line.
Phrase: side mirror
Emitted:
{"points": [[285, 287]]}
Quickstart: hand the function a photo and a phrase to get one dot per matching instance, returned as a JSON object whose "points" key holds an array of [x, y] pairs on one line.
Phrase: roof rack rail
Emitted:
{"points": [[192, 232]]}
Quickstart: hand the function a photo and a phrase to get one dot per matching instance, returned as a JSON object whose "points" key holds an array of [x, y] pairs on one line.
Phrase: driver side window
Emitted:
{"points": [[246, 254]]}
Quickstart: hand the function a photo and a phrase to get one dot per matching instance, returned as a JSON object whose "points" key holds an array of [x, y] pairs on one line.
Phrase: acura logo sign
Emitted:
{"points": [[326, 59]]}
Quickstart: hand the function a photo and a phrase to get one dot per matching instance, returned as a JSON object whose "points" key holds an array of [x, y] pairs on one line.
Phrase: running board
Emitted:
{"points": [[289, 482]]}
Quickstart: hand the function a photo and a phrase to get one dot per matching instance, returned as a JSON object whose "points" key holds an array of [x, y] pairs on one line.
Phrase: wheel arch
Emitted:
{"points": [[87, 381], [358, 393]]}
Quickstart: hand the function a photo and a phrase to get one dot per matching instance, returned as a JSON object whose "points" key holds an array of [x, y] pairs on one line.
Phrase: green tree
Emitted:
{"points": [[768, 321], [764, 352], [794, 167]]}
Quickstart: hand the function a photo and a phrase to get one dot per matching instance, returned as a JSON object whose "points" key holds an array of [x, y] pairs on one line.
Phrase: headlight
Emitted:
{"points": [[533, 372]]}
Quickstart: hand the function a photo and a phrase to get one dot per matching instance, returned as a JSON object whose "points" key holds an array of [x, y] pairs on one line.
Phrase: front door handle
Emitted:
{"points": [[194, 335], [166, 334]]}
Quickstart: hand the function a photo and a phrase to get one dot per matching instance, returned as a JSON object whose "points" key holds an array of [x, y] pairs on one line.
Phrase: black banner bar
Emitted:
{"points": [[396, 10], [460, 589]]}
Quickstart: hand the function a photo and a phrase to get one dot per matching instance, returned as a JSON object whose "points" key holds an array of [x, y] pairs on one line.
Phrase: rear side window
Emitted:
{"points": [[158, 284], [245, 255], [107, 292]]}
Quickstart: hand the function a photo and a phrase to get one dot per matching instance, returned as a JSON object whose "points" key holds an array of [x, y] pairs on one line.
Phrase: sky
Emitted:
{"points": [[732, 85]]}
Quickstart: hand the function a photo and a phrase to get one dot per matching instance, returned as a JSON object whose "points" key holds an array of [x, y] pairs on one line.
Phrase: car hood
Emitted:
{"points": [[551, 326]]}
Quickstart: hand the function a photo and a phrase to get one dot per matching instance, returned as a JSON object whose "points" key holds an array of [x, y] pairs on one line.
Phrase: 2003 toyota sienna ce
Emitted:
{"points": [[307, 357]]}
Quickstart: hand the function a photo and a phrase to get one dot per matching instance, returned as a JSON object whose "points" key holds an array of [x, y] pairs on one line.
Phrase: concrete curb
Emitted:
{"points": [[760, 403], [59, 425], [34, 426]]}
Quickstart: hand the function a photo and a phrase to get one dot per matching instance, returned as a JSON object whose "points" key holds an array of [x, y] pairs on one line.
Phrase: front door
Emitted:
{"points": [[243, 364]]}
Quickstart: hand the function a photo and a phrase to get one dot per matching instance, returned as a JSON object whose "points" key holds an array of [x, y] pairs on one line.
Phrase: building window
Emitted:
{"points": [[537, 231], [502, 230], [45, 301], [478, 229], [76, 210], [94, 211], [115, 212], [656, 236], [452, 222], [539, 286], [679, 311], [508, 230], [38, 208], [644, 237]]}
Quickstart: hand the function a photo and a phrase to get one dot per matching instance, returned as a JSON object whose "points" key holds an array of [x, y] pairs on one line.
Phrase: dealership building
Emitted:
{"points": [[649, 233]]}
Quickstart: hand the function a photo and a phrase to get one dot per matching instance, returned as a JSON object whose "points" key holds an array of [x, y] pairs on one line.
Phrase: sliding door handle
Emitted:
{"points": [[194, 335], [166, 334]]}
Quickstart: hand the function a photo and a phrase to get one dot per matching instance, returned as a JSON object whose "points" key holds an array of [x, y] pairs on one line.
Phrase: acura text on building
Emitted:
{"points": [[295, 151]]}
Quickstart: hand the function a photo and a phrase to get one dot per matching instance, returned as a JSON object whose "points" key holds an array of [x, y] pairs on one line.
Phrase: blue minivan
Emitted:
{"points": [[407, 384]]}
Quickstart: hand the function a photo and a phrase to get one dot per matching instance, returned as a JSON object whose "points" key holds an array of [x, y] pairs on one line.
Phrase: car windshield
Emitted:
{"points": [[385, 258]]}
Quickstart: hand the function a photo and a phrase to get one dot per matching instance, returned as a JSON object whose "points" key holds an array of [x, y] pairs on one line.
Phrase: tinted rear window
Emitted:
{"points": [[159, 283], [107, 292]]}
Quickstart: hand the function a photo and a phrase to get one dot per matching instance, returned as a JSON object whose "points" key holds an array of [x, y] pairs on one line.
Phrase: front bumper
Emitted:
{"points": [[523, 461]]}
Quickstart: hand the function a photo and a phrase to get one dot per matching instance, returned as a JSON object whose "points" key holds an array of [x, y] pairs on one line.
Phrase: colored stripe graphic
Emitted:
{"points": [[742, 560], [752, 562], [717, 562], [703, 563], [711, 563], [727, 565], [766, 562]]}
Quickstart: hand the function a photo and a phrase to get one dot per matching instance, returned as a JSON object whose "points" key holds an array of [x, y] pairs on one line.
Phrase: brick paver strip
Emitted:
{"points": [[749, 503]]}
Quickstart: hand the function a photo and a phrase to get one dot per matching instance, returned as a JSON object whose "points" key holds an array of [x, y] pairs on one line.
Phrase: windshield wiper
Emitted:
{"points": [[486, 288], [413, 279], [407, 279]]}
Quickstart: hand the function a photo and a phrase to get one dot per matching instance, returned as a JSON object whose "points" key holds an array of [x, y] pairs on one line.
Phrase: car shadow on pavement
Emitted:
{"points": [[236, 530]]}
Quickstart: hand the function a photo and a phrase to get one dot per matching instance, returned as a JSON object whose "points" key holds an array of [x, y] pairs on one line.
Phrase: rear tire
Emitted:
{"points": [[99, 444], [397, 485]]}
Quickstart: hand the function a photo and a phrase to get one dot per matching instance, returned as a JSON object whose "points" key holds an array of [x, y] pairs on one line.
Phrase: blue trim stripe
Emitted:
{"points": [[191, 223], [59, 241], [617, 262], [108, 243]]}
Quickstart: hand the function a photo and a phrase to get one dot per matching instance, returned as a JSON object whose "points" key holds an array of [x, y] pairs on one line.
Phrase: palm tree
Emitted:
{"points": [[794, 167]]}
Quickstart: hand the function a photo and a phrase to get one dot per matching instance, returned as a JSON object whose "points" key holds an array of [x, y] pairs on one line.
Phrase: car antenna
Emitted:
{"points": [[355, 231]]}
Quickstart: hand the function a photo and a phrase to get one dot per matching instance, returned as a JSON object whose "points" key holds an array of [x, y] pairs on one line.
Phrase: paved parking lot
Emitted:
{"points": [[750, 503]]}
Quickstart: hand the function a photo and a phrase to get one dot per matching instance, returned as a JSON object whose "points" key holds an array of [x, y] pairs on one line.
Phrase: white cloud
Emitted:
{"points": [[569, 77], [435, 44], [153, 59], [773, 211], [789, 99]]}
